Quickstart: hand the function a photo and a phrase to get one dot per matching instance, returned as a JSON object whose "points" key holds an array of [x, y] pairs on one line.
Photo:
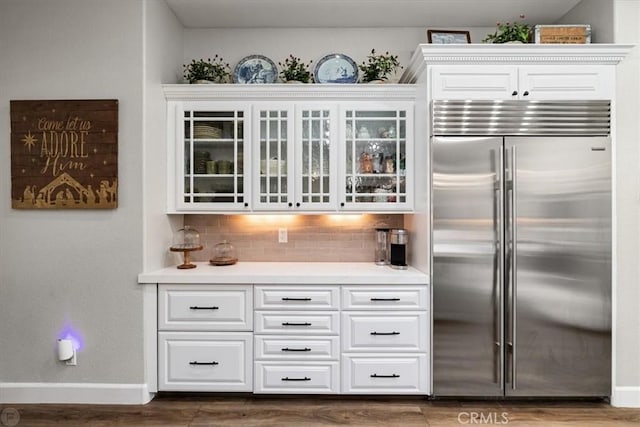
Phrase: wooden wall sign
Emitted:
{"points": [[64, 154]]}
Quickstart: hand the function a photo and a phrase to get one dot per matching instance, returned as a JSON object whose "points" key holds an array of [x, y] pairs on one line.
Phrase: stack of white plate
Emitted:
{"points": [[203, 130]]}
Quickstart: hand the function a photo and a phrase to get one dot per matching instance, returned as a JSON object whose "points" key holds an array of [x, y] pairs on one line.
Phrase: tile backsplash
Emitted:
{"points": [[348, 238]]}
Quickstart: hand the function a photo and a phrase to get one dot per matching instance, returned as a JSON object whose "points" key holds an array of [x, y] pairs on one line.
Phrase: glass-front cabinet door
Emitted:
{"points": [[295, 158], [274, 165], [377, 154], [212, 157], [316, 137]]}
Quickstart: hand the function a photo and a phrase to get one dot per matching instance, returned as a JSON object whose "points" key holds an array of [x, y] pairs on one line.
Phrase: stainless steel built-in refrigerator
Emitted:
{"points": [[521, 248]]}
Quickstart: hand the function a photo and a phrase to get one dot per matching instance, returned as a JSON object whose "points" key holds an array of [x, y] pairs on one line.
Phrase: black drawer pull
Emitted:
{"points": [[296, 379], [196, 307], [295, 299], [385, 333], [204, 363], [385, 299], [296, 349], [385, 376], [296, 324]]}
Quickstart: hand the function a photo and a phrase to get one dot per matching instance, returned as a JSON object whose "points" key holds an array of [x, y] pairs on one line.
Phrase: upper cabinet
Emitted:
{"points": [[209, 155], [295, 164], [516, 71], [375, 147], [521, 82], [286, 148]]}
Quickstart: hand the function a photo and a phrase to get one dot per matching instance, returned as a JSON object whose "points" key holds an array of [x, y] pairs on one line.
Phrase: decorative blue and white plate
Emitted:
{"points": [[255, 69], [335, 68]]}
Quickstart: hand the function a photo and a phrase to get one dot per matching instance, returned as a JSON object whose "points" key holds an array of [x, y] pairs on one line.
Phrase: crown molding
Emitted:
{"points": [[287, 92], [539, 54]]}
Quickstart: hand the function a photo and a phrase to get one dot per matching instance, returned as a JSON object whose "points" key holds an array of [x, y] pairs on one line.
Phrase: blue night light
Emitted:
{"points": [[69, 333]]}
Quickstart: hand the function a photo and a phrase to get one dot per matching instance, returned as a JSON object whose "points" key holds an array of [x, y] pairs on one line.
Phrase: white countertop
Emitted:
{"points": [[301, 273]]}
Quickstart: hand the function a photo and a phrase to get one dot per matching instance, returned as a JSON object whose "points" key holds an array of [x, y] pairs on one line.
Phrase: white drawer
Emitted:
{"points": [[297, 322], [285, 347], [309, 297], [297, 377], [205, 361], [393, 374], [385, 331], [205, 307], [399, 297]]}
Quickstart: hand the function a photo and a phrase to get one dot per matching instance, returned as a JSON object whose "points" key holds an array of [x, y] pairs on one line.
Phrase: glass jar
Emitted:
{"points": [[382, 246], [224, 253]]}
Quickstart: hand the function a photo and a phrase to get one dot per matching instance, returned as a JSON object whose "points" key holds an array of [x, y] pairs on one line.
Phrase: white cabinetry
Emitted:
{"points": [[208, 155], [521, 82], [205, 341], [296, 339], [385, 340], [295, 162], [313, 148]]}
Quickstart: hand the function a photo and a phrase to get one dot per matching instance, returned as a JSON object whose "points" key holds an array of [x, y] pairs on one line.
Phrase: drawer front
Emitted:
{"points": [[297, 297], [395, 374], [205, 361], [385, 331], [296, 347], [205, 307], [297, 322], [297, 377], [385, 298]]}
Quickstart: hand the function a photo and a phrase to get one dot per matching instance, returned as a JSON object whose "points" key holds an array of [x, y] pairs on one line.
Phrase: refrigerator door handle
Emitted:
{"points": [[514, 265], [499, 343]]}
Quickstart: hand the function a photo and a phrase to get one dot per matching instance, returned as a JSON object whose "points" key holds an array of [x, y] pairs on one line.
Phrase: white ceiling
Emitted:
{"points": [[364, 13]]}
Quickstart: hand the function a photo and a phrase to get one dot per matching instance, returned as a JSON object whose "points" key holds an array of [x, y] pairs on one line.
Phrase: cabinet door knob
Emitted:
{"points": [[246, 205], [514, 93], [290, 204], [342, 204], [298, 205], [526, 93]]}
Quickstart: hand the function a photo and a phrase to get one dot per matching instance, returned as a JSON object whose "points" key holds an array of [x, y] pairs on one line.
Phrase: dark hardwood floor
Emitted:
{"points": [[200, 410]]}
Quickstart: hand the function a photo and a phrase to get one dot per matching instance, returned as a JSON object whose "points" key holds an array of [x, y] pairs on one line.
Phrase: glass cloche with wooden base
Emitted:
{"points": [[186, 240]]}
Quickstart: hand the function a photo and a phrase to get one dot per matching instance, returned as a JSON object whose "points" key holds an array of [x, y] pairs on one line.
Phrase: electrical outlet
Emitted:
{"points": [[282, 235], [73, 361]]}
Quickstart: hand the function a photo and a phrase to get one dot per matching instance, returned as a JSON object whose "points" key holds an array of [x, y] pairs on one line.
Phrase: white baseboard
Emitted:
{"points": [[626, 397], [100, 394]]}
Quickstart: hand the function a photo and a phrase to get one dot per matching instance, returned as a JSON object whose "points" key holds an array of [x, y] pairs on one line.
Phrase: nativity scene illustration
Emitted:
{"points": [[65, 192]]}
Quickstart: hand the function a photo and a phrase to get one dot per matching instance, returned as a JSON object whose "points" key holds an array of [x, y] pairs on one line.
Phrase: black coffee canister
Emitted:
{"points": [[398, 239]]}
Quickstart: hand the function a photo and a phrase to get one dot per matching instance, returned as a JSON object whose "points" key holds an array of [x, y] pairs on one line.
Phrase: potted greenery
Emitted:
{"points": [[378, 67], [510, 33], [207, 71], [294, 70]]}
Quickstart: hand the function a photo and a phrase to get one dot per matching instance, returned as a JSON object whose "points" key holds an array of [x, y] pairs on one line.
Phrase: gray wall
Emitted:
{"points": [[598, 14], [73, 267]]}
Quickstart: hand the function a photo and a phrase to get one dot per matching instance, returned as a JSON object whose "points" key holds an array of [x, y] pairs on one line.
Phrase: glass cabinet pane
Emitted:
{"points": [[315, 145], [375, 157], [272, 153], [213, 157]]}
